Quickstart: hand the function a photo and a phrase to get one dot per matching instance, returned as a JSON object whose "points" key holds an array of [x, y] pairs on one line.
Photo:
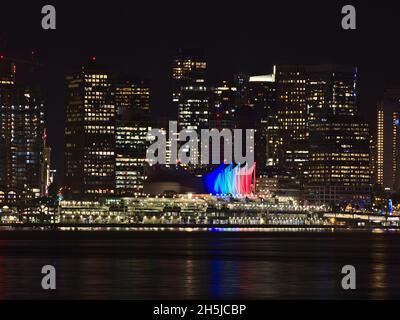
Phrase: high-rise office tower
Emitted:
{"points": [[291, 119], [21, 130], [291, 82], [261, 93], [331, 90], [339, 160], [223, 106], [387, 141], [223, 112], [90, 132], [191, 95], [132, 101], [339, 164]]}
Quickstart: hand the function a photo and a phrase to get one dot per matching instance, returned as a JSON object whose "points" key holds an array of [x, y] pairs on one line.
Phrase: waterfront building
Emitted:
{"points": [[132, 103], [21, 136], [339, 158], [339, 161], [387, 142]]}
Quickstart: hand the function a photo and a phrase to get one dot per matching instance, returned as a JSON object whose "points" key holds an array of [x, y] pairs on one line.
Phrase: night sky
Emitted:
{"points": [[249, 37]]}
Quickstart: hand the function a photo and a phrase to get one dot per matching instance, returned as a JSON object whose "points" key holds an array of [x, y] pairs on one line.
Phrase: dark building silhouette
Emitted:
{"points": [[223, 106], [261, 93]]}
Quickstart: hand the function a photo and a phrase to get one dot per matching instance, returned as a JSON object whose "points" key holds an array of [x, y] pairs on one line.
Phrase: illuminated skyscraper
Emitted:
{"points": [[190, 94], [387, 142], [290, 120], [339, 164], [291, 82], [21, 130], [223, 112], [261, 93], [132, 100], [223, 106], [132, 95], [331, 90], [90, 132], [249, 98], [339, 160]]}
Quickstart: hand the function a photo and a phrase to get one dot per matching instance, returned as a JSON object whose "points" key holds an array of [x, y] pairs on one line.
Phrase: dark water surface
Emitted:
{"points": [[206, 265]]}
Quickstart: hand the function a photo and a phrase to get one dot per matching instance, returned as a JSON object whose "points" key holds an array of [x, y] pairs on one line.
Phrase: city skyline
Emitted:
{"points": [[291, 107], [210, 87], [199, 150], [263, 38], [221, 73]]}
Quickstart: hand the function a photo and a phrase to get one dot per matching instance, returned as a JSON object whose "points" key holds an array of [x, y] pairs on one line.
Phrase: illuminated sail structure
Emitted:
{"points": [[231, 180]]}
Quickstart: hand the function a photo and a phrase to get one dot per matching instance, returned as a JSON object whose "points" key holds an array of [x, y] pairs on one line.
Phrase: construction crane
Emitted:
{"points": [[18, 60], [12, 62], [3, 46]]}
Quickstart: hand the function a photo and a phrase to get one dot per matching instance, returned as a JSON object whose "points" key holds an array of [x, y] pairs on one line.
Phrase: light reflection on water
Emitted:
{"points": [[203, 265]]}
